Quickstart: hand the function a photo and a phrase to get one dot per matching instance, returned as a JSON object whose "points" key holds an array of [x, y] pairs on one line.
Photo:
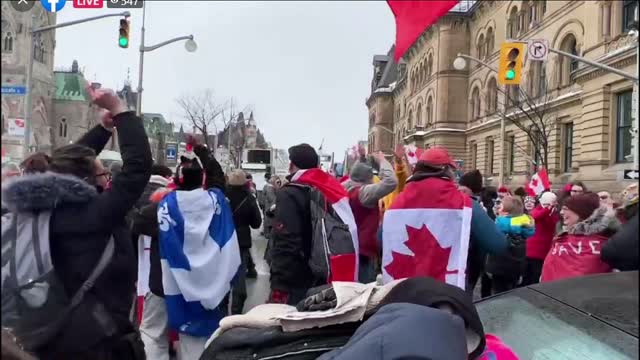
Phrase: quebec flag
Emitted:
{"points": [[200, 257]]}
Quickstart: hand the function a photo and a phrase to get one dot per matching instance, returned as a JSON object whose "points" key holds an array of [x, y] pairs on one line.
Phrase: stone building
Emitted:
{"points": [[14, 43], [73, 112], [589, 109]]}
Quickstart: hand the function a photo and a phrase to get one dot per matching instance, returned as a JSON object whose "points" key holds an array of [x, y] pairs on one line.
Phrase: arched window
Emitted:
{"points": [[419, 115], [430, 64], [62, 128], [410, 120], [513, 25], [490, 41], [492, 96], [7, 43], [527, 12], [480, 47], [567, 65], [475, 103], [430, 111]]}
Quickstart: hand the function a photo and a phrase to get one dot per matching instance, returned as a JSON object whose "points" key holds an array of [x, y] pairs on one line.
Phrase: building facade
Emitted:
{"points": [[587, 111], [14, 43]]}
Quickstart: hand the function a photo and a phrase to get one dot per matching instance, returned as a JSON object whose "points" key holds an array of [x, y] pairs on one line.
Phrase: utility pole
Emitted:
{"points": [[28, 103]]}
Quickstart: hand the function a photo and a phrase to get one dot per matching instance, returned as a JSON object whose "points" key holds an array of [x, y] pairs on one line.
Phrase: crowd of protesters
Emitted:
{"points": [[192, 232]]}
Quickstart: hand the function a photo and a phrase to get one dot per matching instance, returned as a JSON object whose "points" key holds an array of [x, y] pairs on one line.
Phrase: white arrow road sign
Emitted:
{"points": [[631, 174], [537, 50]]}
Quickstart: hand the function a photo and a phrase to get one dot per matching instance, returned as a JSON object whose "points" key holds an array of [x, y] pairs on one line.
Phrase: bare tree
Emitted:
{"points": [[232, 133], [203, 111], [533, 116]]}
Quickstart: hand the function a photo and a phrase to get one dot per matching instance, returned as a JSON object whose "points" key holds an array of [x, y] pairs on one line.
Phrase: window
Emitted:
{"points": [[474, 156], [492, 96], [419, 115], [513, 94], [480, 47], [489, 157], [629, 9], [430, 64], [513, 25], [623, 125], [568, 147], [430, 111], [475, 103], [62, 128], [7, 43], [542, 79], [410, 120], [567, 65], [511, 146], [490, 41]]}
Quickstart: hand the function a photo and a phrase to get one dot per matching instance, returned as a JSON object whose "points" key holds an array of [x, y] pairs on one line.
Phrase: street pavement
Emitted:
{"points": [[258, 289]]}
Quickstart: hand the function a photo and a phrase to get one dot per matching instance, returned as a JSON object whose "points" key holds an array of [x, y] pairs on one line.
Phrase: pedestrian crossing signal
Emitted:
{"points": [[123, 39], [510, 66]]}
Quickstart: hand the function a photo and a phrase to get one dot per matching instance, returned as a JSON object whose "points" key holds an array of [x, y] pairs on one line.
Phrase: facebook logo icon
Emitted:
{"points": [[53, 5]]}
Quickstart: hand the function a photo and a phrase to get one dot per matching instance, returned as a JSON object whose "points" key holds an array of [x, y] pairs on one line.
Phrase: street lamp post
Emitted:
{"points": [[190, 46], [28, 108]]}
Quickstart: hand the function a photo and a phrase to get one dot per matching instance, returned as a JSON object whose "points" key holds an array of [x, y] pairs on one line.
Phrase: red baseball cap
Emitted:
{"points": [[437, 156]]}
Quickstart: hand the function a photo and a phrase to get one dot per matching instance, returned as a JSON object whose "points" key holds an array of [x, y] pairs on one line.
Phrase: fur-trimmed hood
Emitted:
{"points": [[603, 220], [37, 192]]}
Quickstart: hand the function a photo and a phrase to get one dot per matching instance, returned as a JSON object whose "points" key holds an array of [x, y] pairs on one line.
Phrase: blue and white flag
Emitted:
{"points": [[200, 257]]}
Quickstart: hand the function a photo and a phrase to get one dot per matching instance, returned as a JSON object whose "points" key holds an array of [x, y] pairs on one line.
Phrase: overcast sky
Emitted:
{"points": [[304, 67]]}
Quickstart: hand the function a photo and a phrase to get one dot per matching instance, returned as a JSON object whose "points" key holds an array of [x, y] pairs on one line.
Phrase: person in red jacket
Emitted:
{"points": [[576, 251], [546, 216]]}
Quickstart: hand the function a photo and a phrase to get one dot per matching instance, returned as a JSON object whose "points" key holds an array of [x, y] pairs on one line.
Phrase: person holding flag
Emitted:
{"points": [[426, 230], [293, 231], [199, 251]]}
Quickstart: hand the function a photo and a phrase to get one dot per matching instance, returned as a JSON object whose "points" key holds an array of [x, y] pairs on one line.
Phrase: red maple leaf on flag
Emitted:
{"points": [[429, 259]]}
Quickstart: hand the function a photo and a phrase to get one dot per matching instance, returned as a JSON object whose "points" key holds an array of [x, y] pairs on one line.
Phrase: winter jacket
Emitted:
{"points": [[406, 331], [576, 252], [291, 237], [81, 224], [246, 213], [621, 251], [517, 230], [145, 222], [269, 199], [367, 220], [546, 221], [371, 194]]}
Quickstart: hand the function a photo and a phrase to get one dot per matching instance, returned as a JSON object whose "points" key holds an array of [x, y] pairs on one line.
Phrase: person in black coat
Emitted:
{"points": [[291, 275], [83, 220], [246, 216], [621, 251]]}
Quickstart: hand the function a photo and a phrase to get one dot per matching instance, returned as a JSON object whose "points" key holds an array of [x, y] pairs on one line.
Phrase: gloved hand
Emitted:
{"points": [[278, 297], [323, 300]]}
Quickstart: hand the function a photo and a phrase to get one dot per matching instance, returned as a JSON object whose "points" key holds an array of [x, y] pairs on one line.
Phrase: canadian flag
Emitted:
{"points": [[338, 197], [413, 18], [539, 183], [413, 154], [144, 267], [426, 232]]}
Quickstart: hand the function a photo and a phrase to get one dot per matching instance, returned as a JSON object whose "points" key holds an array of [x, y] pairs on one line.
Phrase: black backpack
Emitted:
{"points": [[35, 305], [332, 256]]}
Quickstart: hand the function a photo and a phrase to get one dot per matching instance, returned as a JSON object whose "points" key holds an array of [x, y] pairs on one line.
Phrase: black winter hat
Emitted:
{"points": [[303, 156], [472, 180]]}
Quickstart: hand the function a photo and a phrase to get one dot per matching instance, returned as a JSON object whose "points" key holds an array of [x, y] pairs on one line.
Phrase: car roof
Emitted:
{"points": [[611, 298]]}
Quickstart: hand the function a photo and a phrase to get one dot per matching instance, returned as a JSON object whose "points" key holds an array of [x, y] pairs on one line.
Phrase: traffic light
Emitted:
{"points": [[123, 38], [510, 67]]}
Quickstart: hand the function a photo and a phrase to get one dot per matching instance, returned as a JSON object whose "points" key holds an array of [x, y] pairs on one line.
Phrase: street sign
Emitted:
{"points": [[538, 49], [171, 152], [631, 174], [14, 90]]}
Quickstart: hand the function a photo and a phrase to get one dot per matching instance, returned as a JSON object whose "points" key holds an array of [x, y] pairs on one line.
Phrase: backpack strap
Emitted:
{"points": [[104, 260]]}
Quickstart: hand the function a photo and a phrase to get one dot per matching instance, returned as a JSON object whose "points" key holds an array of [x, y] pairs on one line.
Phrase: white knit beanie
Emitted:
{"points": [[548, 198]]}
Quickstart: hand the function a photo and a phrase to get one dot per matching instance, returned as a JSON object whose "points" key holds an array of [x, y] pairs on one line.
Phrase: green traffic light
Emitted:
{"points": [[510, 74], [124, 42]]}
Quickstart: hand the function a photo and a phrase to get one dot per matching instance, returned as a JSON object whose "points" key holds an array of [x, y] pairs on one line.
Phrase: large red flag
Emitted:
{"points": [[414, 17]]}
